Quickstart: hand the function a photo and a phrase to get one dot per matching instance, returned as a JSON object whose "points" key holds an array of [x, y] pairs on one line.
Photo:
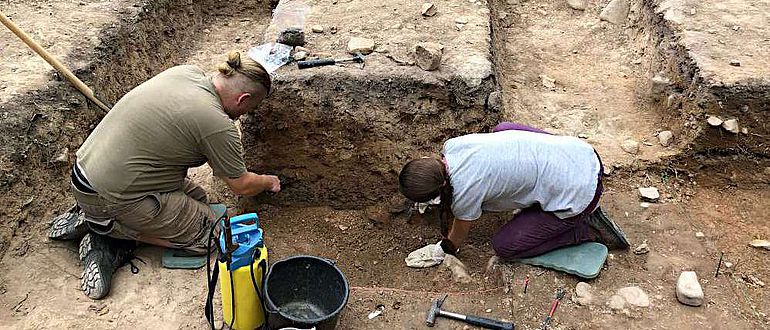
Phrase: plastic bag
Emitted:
{"points": [[290, 14], [271, 55]]}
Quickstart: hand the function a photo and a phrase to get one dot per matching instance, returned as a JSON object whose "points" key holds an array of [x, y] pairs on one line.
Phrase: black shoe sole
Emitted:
{"points": [[68, 226], [97, 276], [616, 231]]}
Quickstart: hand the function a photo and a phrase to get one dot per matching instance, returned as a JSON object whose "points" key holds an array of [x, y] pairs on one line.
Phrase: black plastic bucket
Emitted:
{"points": [[304, 292]]}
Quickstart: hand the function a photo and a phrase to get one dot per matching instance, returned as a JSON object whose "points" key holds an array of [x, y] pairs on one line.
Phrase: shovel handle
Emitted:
{"points": [[314, 63], [85, 90], [488, 323]]}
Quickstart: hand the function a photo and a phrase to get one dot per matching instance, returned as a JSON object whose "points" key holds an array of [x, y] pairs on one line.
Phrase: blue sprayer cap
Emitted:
{"points": [[247, 234]]}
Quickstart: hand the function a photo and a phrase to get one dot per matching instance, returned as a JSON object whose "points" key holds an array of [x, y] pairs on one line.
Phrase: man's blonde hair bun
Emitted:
{"points": [[247, 67]]}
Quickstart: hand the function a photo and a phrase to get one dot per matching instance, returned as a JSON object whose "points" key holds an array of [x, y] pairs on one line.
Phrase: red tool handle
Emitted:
{"points": [[553, 307]]}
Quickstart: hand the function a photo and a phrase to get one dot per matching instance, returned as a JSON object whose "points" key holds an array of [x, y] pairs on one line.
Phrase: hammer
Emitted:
{"points": [[435, 311], [358, 58]]}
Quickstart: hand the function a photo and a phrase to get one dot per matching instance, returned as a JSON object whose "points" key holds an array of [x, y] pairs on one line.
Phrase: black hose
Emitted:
{"points": [[262, 266], [209, 308], [232, 296]]}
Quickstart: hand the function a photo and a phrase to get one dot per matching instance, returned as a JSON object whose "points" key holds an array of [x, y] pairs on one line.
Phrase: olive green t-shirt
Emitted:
{"points": [[158, 130]]}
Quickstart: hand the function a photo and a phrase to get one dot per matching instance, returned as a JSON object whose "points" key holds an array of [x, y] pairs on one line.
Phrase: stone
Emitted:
{"points": [[649, 193], [492, 264], [630, 146], [731, 125], [459, 271], [665, 137], [62, 157], [583, 294], [644, 205], [714, 121], [753, 280], [735, 63], [317, 29], [428, 9], [428, 55], [292, 36], [461, 20], [333, 29], [615, 12], [299, 56], [616, 302], [642, 249], [760, 243], [700, 234], [634, 296], [548, 82], [674, 101], [658, 85], [728, 264], [577, 4], [608, 170], [688, 289], [360, 45], [495, 101], [301, 49]]}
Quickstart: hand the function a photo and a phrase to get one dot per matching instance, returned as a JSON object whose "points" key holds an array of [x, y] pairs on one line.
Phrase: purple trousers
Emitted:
{"points": [[533, 231]]}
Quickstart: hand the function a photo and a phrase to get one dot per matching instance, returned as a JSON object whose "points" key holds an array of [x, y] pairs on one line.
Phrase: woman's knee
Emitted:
{"points": [[506, 245]]}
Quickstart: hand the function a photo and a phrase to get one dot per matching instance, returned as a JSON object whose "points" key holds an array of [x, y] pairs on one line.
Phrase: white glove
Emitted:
{"points": [[427, 256]]}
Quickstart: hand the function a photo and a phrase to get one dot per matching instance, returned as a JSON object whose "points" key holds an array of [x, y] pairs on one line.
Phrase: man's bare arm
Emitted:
{"points": [[250, 184]]}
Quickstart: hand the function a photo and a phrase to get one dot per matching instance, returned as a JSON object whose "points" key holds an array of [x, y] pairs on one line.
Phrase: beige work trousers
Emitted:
{"points": [[183, 217]]}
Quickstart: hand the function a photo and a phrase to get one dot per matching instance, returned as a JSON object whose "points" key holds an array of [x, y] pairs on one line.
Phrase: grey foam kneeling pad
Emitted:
{"points": [[584, 260]]}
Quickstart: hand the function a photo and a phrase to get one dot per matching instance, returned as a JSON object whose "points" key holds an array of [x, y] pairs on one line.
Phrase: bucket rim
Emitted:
{"points": [[269, 304]]}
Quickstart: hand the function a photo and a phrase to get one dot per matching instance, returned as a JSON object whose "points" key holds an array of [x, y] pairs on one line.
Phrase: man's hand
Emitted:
{"points": [[274, 182], [427, 256], [250, 184]]}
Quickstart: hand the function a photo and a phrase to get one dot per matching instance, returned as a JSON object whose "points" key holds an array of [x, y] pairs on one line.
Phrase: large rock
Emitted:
{"points": [[688, 289], [577, 4], [649, 193], [731, 125], [616, 12], [428, 55], [630, 146], [360, 45], [665, 138], [428, 9], [642, 249], [459, 271], [583, 294], [714, 121], [292, 36], [634, 296], [659, 85], [616, 302]]}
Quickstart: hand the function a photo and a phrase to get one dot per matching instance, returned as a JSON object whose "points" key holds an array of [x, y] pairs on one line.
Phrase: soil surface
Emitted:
{"points": [[713, 202]]}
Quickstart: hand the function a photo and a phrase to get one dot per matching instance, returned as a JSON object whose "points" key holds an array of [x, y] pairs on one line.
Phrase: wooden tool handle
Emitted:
{"points": [[53, 62]]}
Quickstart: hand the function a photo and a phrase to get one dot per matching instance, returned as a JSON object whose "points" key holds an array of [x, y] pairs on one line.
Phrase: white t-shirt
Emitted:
{"points": [[515, 169]]}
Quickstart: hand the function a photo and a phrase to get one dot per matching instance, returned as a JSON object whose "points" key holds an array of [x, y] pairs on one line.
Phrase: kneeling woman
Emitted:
{"points": [[556, 182]]}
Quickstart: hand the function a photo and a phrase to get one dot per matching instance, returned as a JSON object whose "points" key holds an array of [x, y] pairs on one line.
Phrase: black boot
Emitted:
{"points": [[69, 226], [607, 231], [101, 256]]}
